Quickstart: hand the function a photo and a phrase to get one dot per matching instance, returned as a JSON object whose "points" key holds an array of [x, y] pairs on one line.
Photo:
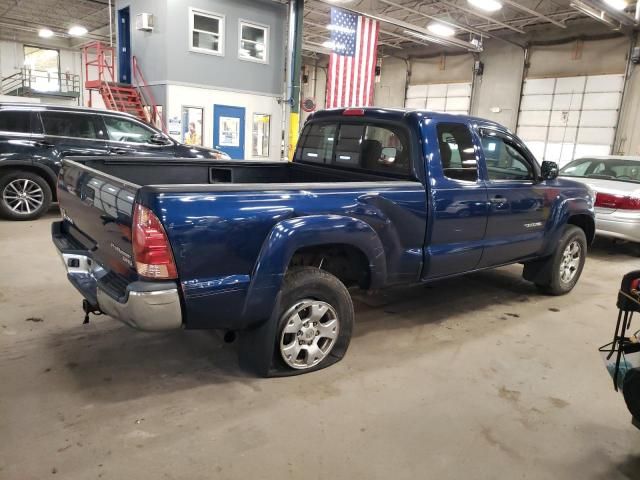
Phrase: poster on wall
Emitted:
{"points": [[175, 127], [192, 127], [229, 132]]}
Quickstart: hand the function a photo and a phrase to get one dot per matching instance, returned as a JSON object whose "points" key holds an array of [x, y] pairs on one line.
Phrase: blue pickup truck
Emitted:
{"points": [[373, 198]]}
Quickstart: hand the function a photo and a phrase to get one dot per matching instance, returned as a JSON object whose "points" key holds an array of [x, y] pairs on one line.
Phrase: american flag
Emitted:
{"points": [[353, 60]]}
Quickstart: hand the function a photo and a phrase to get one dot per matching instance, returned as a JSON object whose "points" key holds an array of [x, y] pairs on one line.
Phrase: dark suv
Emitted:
{"points": [[34, 138]]}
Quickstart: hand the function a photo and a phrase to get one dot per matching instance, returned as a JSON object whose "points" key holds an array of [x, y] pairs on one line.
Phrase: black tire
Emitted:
{"points": [[555, 284], [42, 197], [309, 283]]}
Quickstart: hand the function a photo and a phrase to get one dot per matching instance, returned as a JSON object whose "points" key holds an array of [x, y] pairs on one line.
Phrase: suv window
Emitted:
{"points": [[367, 147], [457, 152], [64, 124], [504, 159], [124, 130], [15, 121]]}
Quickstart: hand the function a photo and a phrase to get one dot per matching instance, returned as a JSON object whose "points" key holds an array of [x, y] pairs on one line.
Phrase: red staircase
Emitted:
{"points": [[136, 99]]}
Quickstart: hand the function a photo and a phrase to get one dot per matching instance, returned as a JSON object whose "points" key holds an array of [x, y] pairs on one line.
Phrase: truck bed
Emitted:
{"points": [[163, 171]]}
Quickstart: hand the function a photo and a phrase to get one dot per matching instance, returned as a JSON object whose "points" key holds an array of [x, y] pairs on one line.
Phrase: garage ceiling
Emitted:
{"points": [[516, 18], [57, 15]]}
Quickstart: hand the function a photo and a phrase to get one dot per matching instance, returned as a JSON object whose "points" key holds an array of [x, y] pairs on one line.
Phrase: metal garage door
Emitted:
{"points": [[440, 97], [569, 117]]}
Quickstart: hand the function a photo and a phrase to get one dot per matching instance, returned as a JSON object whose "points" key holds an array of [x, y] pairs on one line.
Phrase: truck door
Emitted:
{"points": [[459, 201], [519, 205]]}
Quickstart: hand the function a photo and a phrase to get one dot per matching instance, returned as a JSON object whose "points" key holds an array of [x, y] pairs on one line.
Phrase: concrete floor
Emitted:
{"points": [[478, 377]]}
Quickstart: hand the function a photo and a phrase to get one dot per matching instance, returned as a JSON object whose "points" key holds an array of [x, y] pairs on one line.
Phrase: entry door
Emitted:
{"points": [[228, 130], [124, 45], [519, 205]]}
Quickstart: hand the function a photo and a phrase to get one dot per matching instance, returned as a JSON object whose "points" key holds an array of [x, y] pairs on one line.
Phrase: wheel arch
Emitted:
{"points": [[27, 166]]}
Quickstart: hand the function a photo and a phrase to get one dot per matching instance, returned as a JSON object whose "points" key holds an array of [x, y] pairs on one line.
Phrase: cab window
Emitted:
{"points": [[504, 159], [457, 153], [368, 147]]}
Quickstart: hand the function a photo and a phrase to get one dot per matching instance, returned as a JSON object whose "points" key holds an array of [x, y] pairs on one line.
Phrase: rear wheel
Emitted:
{"points": [[24, 196], [567, 262], [315, 323]]}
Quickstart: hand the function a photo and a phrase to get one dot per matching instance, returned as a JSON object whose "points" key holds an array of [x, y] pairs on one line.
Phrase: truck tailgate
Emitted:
{"points": [[98, 209]]}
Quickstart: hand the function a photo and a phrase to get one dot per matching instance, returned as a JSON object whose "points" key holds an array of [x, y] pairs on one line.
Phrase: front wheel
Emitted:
{"points": [[24, 196], [567, 262], [315, 323]]}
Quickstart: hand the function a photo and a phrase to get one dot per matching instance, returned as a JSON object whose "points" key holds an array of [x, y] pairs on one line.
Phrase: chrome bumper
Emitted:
{"points": [[149, 306]]}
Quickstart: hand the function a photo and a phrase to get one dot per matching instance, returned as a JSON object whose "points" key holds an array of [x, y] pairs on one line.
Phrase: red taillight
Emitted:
{"points": [[151, 249], [622, 202], [353, 112]]}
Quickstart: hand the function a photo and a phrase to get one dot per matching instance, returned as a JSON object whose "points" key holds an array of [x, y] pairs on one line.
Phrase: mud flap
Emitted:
{"points": [[538, 271]]}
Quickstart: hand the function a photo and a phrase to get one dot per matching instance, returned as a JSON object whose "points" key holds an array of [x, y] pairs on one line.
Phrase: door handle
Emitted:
{"points": [[498, 200], [118, 151]]}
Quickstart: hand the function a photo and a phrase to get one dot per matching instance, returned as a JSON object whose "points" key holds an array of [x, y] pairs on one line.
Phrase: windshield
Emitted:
{"points": [[620, 169]]}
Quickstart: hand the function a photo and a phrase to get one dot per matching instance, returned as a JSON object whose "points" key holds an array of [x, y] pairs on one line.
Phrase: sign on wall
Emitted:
{"points": [[175, 127], [229, 132]]}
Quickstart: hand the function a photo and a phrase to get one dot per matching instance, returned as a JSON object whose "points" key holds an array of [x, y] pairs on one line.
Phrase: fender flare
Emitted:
{"points": [[288, 236]]}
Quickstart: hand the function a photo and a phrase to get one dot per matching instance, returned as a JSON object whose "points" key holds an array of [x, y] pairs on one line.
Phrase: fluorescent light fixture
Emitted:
{"points": [[328, 44], [616, 4], [77, 31], [486, 5], [441, 29], [45, 33]]}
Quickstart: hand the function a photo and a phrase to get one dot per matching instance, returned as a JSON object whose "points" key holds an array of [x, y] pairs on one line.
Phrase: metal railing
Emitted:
{"points": [[29, 82]]}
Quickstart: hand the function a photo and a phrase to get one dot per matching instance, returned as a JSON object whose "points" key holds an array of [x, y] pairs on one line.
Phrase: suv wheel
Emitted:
{"points": [[24, 196]]}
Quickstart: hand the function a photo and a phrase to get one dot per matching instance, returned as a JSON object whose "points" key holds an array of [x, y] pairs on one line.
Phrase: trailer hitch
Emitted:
{"points": [[89, 308]]}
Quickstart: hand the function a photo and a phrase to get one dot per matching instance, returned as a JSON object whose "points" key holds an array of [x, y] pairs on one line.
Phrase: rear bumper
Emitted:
{"points": [[625, 226], [149, 306]]}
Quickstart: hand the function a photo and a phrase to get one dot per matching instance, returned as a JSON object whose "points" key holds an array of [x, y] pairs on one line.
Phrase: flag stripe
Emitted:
{"points": [[352, 61]]}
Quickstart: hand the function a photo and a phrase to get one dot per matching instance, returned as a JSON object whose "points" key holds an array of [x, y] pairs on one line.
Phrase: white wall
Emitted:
{"points": [[180, 95]]}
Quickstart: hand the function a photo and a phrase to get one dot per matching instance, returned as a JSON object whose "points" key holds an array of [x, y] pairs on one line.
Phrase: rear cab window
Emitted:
{"points": [[371, 147]]}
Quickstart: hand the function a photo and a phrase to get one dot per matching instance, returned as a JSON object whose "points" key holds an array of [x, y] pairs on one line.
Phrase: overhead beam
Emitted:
{"points": [[414, 30], [480, 15], [381, 42], [534, 13], [458, 26]]}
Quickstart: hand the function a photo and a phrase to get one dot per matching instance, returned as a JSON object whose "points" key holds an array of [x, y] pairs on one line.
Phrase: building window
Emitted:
{"points": [[192, 125], [42, 68], [261, 129], [254, 42], [206, 32]]}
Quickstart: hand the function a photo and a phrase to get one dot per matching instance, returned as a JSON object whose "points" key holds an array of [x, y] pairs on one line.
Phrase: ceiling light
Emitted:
{"points": [[328, 44], [441, 29], [77, 31], [487, 5], [617, 4], [45, 33]]}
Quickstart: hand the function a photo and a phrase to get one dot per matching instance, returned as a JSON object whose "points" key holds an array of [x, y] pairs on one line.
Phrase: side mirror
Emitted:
{"points": [[549, 170], [159, 139], [388, 155]]}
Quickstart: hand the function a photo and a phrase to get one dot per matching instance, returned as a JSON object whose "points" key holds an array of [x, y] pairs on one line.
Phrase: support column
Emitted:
{"points": [[296, 10]]}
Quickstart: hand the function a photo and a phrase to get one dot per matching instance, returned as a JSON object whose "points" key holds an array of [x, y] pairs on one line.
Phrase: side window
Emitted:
{"points": [[457, 152], [63, 124], [123, 130], [504, 160], [15, 121], [317, 143]]}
